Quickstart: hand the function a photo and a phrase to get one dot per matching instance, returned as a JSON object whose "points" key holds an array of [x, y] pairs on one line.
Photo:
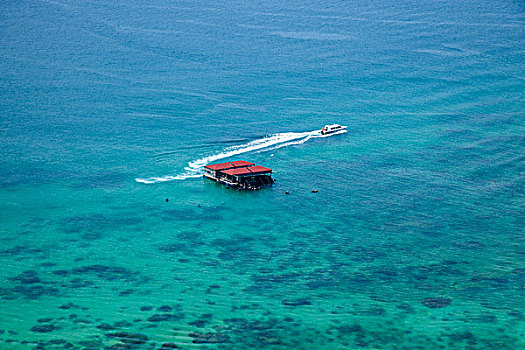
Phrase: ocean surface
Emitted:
{"points": [[414, 240]]}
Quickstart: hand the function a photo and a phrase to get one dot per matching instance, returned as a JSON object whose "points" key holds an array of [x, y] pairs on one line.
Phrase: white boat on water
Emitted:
{"points": [[330, 129]]}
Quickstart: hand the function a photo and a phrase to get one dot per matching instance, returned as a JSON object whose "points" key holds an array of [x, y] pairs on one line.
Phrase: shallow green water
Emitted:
{"points": [[414, 240]]}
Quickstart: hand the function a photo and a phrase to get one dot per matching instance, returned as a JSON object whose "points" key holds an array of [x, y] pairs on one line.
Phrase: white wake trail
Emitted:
{"points": [[299, 142], [194, 168]]}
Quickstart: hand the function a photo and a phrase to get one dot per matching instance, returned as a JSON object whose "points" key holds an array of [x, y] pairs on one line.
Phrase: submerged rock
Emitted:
{"points": [[462, 336], [68, 306], [122, 346], [435, 303], [44, 320], [269, 340], [122, 324], [198, 323], [108, 273], [128, 337], [165, 317], [174, 248], [165, 308], [27, 277], [406, 307], [209, 338], [82, 321], [61, 272], [296, 302], [349, 329], [90, 344], [515, 313], [80, 283], [373, 311], [35, 292], [105, 327], [126, 292], [46, 328], [20, 249], [261, 325]]}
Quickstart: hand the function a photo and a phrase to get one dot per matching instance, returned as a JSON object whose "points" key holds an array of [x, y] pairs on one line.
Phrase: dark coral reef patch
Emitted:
{"points": [[436, 303], [209, 338]]}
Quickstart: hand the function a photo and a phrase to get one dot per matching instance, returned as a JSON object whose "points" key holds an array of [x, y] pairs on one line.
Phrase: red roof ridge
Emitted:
{"points": [[229, 165], [259, 169]]}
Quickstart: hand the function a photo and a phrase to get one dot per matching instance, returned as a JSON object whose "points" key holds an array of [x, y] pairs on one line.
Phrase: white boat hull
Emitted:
{"points": [[332, 131]]}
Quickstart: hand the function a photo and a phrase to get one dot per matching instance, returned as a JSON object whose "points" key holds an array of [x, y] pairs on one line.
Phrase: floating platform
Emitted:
{"points": [[240, 174]]}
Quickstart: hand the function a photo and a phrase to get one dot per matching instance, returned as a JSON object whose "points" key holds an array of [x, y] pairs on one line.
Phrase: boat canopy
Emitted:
{"points": [[333, 126]]}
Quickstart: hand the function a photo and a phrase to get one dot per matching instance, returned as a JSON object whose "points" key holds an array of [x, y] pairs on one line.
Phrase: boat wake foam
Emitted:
{"points": [[271, 142]]}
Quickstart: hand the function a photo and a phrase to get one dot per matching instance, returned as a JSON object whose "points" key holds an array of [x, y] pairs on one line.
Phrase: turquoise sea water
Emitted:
{"points": [[415, 239]]}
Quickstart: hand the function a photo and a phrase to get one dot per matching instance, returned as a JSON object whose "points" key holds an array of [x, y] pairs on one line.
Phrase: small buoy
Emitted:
{"points": [[315, 191], [286, 192], [167, 200]]}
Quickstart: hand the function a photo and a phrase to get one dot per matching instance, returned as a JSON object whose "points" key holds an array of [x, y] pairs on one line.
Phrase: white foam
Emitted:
{"points": [[153, 180], [272, 142]]}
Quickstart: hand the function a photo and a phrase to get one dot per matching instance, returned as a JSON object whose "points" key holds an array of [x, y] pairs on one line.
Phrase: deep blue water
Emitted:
{"points": [[415, 239]]}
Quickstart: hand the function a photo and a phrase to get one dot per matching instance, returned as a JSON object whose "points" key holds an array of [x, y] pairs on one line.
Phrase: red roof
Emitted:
{"points": [[229, 165], [220, 166], [260, 169], [257, 169], [237, 171], [239, 163]]}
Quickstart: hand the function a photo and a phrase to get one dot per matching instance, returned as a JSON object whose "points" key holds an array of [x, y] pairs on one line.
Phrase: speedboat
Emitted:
{"points": [[330, 129]]}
